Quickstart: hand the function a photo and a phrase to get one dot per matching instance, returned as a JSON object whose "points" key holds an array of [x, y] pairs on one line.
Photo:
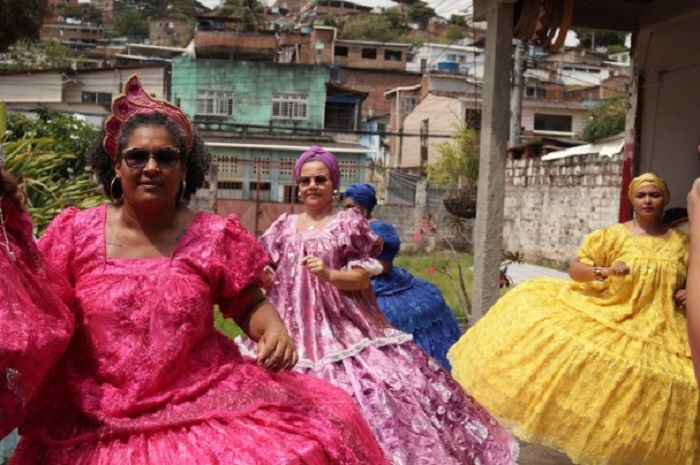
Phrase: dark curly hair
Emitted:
{"points": [[197, 161], [9, 188]]}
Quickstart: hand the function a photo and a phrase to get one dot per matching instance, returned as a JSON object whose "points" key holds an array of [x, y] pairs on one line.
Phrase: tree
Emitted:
{"points": [[37, 169], [455, 32], [368, 27], [91, 15], [421, 13], [129, 22], [588, 39], [20, 20], [50, 53], [70, 134], [459, 162], [250, 13], [606, 119]]}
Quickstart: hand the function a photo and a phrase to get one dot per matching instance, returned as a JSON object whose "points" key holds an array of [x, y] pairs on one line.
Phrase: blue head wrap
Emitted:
{"points": [[363, 195], [392, 242]]}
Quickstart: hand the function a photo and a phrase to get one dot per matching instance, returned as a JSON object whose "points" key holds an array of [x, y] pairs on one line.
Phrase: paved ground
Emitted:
{"points": [[520, 272], [532, 454]]}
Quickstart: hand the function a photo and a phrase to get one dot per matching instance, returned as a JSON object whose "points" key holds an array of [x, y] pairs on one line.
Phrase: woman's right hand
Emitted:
{"points": [[616, 269]]}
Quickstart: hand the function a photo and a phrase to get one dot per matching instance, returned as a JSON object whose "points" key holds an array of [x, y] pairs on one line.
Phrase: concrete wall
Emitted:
{"points": [[551, 205], [666, 59], [39, 87]]}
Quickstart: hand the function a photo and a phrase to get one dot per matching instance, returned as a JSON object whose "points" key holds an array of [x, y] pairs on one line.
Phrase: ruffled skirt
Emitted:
{"points": [[418, 311], [249, 417], [419, 414], [555, 376]]}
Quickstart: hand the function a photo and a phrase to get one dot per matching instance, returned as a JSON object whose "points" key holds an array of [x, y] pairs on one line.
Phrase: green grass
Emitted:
{"points": [[418, 265], [226, 325]]}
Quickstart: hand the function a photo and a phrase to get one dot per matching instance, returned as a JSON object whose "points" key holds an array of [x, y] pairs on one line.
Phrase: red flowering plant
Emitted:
{"points": [[428, 227]]}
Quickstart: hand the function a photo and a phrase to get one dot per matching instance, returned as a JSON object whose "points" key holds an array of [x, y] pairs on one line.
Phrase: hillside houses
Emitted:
{"points": [[259, 97]]}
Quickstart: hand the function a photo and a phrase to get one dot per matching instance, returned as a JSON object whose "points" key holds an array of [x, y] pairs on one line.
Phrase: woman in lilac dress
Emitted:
{"points": [[146, 378], [323, 260], [35, 324]]}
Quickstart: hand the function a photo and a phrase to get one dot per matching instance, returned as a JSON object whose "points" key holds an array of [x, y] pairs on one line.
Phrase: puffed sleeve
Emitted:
{"points": [[359, 243], [270, 240], [57, 247], [35, 328], [597, 248], [236, 263]]}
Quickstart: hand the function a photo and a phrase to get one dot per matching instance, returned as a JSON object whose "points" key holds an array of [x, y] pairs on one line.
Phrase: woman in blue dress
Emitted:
{"points": [[411, 304]]}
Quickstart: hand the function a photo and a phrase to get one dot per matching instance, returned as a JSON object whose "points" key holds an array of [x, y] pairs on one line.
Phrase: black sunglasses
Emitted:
{"points": [[305, 181], [138, 158]]}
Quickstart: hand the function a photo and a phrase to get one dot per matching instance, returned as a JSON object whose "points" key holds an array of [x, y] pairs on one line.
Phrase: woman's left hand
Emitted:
{"points": [[276, 350], [316, 267], [679, 297]]}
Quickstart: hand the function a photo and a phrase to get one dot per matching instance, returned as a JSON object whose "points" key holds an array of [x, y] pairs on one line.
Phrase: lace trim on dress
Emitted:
{"points": [[338, 356], [370, 264]]}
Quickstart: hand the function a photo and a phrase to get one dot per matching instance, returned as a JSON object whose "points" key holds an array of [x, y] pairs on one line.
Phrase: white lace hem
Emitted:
{"points": [[318, 365]]}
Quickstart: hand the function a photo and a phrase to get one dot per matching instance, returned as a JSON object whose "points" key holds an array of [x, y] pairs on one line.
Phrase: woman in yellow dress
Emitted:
{"points": [[600, 367]]}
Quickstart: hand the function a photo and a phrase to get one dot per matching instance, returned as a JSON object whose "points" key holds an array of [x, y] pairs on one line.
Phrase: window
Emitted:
{"points": [[472, 119], [340, 51], [290, 106], [103, 98], [290, 194], [535, 92], [287, 167], [259, 190], [349, 171], [555, 123], [228, 166], [409, 103], [369, 53], [262, 163], [214, 103], [232, 190], [392, 55]]}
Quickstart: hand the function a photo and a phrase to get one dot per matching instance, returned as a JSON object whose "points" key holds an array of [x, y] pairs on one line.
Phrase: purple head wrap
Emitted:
{"points": [[322, 155]]}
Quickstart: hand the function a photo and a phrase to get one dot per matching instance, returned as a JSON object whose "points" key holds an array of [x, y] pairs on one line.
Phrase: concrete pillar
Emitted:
{"points": [[488, 228]]}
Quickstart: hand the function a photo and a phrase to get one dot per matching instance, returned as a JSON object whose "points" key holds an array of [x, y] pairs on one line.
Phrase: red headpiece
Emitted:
{"points": [[135, 100]]}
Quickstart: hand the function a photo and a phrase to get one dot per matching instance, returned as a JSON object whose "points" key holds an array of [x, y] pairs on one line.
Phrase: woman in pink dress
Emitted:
{"points": [[146, 378], [322, 262], [35, 324]]}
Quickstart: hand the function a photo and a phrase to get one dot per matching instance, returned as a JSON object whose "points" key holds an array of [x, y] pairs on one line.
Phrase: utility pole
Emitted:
{"points": [[516, 99]]}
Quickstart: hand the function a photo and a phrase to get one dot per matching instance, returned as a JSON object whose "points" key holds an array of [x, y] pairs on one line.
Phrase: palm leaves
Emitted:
{"points": [[40, 174], [250, 13]]}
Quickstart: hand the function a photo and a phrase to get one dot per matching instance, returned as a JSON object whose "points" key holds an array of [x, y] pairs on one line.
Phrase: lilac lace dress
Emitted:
{"points": [[147, 380], [417, 411]]}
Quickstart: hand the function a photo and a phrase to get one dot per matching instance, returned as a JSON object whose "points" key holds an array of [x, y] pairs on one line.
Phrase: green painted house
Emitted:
{"points": [[257, 117]]}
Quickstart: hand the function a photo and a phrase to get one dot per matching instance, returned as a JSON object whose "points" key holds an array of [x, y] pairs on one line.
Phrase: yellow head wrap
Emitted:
{"points": [[647, 179]]}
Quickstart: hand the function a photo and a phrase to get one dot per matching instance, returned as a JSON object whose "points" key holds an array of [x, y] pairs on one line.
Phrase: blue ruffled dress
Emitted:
{"points": [[416, 306]]}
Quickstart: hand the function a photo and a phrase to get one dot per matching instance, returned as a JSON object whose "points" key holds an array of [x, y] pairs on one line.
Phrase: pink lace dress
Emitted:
{"points": [[148, 380], [417, 411], [35, 324]]}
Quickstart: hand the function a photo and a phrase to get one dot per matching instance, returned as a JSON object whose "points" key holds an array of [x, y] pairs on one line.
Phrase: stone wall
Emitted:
{"points": [[551, 205]]}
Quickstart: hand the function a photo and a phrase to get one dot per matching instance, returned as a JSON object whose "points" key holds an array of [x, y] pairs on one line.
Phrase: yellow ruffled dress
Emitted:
{"points": [[601, 370]]}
